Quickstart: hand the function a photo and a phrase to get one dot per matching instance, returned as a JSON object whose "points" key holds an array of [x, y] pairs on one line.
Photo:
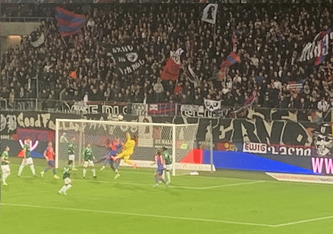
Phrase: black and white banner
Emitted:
{"points": [[212, 105], [126, 57], [39, 41], [318, 49], [209, 13]]}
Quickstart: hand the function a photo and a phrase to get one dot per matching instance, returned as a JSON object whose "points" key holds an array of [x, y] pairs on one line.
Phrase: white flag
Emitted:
{"points": [[212, 105], [175, 55], [39, 41], [209, 13]]}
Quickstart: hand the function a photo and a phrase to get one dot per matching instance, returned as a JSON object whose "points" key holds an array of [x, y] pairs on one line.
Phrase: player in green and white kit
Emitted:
{"points": [[66, 176], [5, 165], [168, 164], [27, 160], [71, 154], [88, 160]]}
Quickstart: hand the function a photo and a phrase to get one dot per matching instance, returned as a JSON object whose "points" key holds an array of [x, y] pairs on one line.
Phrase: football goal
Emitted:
{"points": [[178, 139]]}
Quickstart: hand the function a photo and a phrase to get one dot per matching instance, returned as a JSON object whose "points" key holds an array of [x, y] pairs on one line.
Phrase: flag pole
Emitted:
{"points": [[215, 34]]}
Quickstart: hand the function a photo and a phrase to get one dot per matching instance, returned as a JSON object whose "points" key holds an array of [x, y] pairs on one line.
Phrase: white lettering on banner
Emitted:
{"points": [[9, 122], [290, 150], [302, 178], [263, 148], [319, 46], [139, 109], [41, 121], [250, 147], [195, 111]]}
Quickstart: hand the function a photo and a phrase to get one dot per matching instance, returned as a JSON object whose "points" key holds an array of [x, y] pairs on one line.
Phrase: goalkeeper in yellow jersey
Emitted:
{"points": [[128, 150]]}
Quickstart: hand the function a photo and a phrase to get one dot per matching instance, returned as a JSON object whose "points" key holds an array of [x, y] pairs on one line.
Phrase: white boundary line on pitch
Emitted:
{"points": [[176, 186], [303, 221], [137, 214]]}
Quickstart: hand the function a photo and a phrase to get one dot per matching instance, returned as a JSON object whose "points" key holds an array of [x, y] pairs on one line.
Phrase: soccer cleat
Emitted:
{"points": [[60, 192], [116, 176], [102, 168], [42, 174], [155, 186], [134, 165], [4, 183], [64, 192], [95, 177], [56, 177], [168, 182]]}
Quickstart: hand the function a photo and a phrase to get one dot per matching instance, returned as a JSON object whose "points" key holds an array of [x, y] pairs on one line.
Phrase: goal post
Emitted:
{"points": [[179, 139]]}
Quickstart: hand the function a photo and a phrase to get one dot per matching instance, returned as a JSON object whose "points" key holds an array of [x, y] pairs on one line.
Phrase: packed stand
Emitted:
{"points": [[268, 39]]}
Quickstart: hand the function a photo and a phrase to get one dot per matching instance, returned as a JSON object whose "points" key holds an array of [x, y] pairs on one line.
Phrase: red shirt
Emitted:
{"points": [[49, 153]]}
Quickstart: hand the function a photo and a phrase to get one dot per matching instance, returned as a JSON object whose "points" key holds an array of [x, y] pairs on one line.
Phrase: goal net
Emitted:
{"points": [[180, 141]]}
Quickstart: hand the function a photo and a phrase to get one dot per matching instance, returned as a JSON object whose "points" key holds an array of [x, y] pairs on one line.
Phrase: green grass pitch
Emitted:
{"points": [[218, 203]]}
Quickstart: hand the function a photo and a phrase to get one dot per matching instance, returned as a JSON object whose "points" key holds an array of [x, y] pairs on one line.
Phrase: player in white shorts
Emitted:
{"points": [[5, 165], [27, 160], [66, 177], [88, 160]]}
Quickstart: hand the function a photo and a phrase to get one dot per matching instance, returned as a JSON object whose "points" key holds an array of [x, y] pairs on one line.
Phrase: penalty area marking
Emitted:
{"points": [[303, 221], [176, 186], [137, 214]]}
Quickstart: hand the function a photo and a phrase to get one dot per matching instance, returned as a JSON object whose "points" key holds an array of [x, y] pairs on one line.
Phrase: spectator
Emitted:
{"points": [[323, 105], [269, 39], [159, 90]]}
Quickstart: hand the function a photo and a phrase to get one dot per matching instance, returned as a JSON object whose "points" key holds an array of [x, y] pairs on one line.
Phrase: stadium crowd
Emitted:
{"points": [[268, 38]]}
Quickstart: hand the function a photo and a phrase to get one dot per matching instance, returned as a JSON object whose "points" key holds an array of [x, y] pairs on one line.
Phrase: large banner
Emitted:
{"points": [[287, 145]]}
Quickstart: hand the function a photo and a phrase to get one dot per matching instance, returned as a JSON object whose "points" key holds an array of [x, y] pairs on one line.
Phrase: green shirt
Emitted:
{"points": [[70, 148], [167, 158], [88, 154], [67, 171], [26, 147], [4, 156]]}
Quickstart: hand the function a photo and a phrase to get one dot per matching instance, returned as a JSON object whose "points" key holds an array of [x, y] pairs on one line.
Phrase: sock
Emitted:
{"points": [[46, 169], [32, 168], [163, 175], [54, 171], [93, 171], [20, 170], [63, 188], [4, 176], [156, 179], [67, 187], [84, 172], [168, 176], [116, 171], [163, 180]]}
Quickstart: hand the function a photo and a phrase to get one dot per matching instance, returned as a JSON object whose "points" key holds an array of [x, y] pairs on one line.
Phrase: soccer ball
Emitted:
{"points": [[120, 117]]}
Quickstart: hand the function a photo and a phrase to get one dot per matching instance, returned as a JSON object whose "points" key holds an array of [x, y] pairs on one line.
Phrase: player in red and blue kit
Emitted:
{"points": [[49, 156], [113, 148], [160, 163]]}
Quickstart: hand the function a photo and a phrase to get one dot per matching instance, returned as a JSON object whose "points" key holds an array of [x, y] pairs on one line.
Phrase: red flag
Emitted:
{"points": [[170, 71], [231, 59]]}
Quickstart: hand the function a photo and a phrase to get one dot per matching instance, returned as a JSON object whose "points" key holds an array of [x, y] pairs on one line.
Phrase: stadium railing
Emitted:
{"points": [[152, 109]]}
